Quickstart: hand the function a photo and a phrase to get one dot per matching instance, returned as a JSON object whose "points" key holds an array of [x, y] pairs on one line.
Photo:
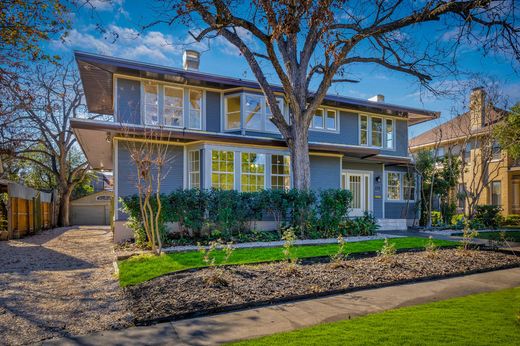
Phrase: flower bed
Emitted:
{"points": [[194, 293]]}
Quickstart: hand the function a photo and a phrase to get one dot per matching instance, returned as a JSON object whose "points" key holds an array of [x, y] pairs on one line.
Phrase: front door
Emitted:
{"points": [[359, 186]]}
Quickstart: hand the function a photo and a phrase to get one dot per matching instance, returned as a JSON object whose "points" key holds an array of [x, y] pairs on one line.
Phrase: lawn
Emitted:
{"points": [[480, 319], [145, 267], [510, 235]]}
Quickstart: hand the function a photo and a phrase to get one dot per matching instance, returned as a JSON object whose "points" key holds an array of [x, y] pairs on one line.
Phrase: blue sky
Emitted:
{"points": [[164, 45]]}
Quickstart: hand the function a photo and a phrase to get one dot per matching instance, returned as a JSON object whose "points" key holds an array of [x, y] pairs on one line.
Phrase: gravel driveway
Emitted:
{"points": [[59, 283]]}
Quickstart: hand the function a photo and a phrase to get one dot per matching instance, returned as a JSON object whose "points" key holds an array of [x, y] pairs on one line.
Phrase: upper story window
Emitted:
{"points": [[254, 110], [151, 104], [376, 132], [195, 115], [496, 152], [325, 119], [173, 106]]}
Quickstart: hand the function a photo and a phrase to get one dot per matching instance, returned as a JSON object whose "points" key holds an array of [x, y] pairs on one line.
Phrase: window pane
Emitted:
{"points": [[269, 125], [253, 170], [280, 172], [409, 186], [393, 186], [377, 127], [173, 106], [222, 169], [151, 109], [389, 134], [233, 112], [195, 109], [194, 169], [363, 130], [318, 119], [253, 113], [496, 193], [331, 120]]}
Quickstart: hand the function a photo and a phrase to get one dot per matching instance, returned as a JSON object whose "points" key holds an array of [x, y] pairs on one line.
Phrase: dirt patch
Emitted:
{"points": [[59, 283], [188, 294]]}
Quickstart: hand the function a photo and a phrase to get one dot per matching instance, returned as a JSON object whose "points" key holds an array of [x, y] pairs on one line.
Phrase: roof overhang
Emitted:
{"points": [[97, 75], [95, 138]]}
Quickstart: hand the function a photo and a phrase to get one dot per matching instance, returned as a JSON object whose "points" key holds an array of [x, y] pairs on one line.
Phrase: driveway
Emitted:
{"points": [[59, 283]]}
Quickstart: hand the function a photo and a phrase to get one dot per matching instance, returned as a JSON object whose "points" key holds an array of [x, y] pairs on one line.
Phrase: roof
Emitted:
{"points": [[97, 73], [95, 137], [456, 128]]}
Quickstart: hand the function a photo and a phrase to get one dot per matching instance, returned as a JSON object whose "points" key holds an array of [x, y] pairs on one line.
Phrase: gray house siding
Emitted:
{"points": [[348, 131], [126, 173], [128, 101], [401, 209], [213, 110], [325, 172], [377, 187]]}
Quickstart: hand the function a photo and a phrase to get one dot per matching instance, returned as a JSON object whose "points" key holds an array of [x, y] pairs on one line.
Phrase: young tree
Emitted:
{"points": [[508, 133], [315, 43], [40, 133]]}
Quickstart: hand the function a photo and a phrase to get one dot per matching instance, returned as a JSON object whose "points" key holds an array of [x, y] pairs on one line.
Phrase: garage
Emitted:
{"points": [[94, 209]]}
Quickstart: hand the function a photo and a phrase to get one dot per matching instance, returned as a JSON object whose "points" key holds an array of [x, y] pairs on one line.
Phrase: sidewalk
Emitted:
{"points": [[252, 323]]}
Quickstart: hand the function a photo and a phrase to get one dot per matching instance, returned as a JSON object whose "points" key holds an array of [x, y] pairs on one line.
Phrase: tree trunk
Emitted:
{"points": [[64, 208], [300, 163]]}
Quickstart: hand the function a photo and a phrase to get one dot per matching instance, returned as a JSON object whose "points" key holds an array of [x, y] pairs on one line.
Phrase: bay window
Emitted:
{"points": [[280, 172], [252, 175], [269, 125], [393, 183], [253, 117], [173, 106], [151, 104], [194, 169], [232, 112], [222, 169], [195, 115]]}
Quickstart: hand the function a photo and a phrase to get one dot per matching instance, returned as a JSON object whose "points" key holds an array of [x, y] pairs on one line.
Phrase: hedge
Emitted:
{"points": [[231, 213]]}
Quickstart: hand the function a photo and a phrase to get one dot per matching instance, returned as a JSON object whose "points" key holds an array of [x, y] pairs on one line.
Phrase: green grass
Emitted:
{"points": [[145, 267], [480, 319], [510, 235]]}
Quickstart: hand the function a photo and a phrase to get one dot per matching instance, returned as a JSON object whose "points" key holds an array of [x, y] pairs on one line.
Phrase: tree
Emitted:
{"points": [[508, 133], [40, 133], [314, 43]]}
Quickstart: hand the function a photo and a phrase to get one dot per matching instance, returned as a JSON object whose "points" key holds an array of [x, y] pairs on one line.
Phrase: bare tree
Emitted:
{"points": [[316, 43], [39, 132], [152, 159]]}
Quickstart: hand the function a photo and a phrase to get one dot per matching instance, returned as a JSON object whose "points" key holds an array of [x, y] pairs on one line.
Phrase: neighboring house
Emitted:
{"points": [[102, 182], [216, 126], [94, 209], [488, 173]]}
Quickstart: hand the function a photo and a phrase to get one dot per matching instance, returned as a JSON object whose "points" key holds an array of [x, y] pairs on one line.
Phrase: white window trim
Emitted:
{"points": [[325, 128], [190, 172], [161, 118], [202, 93], [402, 198], [211, 171], [143, 102], [257, 174], [279, 175], [383, 132], [225, 98]]}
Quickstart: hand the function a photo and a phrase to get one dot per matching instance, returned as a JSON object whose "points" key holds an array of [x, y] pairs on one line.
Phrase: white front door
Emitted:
{"points": [[359, 185]]}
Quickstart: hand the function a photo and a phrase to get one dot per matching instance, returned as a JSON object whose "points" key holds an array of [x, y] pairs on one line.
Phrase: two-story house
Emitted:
{"points": [[215, 126], [488, 175]]}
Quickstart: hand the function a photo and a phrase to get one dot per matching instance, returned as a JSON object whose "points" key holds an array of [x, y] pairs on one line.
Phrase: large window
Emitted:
{"points": [[223, 169], [195, 116], [194, 169], [252, 176], [393, 184], [280, 172], [232, 112], [173, 106], [496, 193], [376, 132], [151, 104], [409, 186]]}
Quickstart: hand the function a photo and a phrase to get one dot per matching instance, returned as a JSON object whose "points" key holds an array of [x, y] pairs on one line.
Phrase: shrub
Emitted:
{"points": [[488, 215], [436, 218], [458, 221], [276, 204], [188, 208], [302, 214], [388, 251], [361, 226], [333, 209], [288, 249], [448, 210], [511, 220]]}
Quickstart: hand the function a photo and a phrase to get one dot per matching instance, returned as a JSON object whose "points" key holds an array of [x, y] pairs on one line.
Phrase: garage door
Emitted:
{"points": [[89, 215]]}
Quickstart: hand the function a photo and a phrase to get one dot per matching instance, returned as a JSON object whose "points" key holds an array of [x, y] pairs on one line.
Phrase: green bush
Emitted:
{"points": [[302, 211], [458, 221], [488, 216], [360, 226], [448, 210], [436, 219], [188, 208], [511, 220], [333, 209]]}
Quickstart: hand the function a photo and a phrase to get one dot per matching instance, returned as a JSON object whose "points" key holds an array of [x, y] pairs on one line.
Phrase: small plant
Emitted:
{"points": [[430, 247], [388, 251], [340, 256], [467, 239], [216, 276], [289, 238]]}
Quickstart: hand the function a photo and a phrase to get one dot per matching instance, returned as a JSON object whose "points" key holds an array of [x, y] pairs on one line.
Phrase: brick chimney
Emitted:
{"points": [[477, 107]]}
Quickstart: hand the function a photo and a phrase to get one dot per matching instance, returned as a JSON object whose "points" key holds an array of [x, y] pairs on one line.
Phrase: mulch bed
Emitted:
{"points": [[200, 292]]}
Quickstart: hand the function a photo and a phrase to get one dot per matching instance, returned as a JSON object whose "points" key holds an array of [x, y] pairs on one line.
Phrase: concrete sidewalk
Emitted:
{"points": [[218, 329]]}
